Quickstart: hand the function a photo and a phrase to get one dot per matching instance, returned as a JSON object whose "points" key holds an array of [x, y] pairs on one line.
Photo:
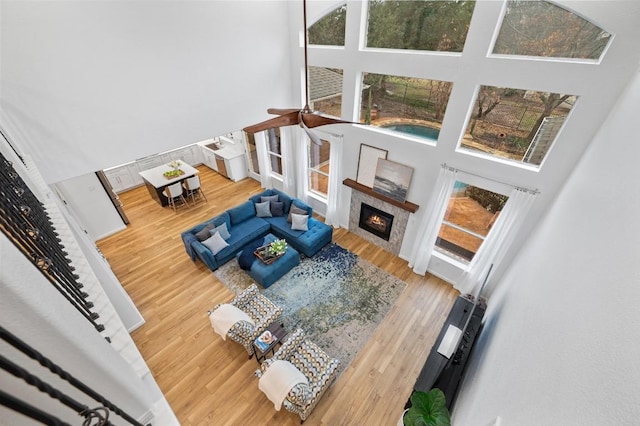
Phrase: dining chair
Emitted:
{"points": [[194, 189], [173, 194]]}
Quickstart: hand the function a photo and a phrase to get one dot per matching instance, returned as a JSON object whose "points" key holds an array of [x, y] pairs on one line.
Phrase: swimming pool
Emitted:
{"points": [[419, 130]]}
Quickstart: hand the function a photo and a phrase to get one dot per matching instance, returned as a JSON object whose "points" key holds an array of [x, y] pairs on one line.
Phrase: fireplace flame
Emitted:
{"points": [[376, 220]]}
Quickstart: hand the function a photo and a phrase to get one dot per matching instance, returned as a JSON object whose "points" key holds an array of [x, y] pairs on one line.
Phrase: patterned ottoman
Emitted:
{"points": [[264, 274]]}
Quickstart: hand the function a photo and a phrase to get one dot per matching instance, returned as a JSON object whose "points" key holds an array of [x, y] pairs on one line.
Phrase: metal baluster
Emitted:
{"points": [[66, 400], [30, 228], [23, 347], [29, 410]]}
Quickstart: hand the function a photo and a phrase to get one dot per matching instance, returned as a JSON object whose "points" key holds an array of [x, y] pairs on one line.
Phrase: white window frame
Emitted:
{"points": [[271, 154], [310, 170], [479, 182]]}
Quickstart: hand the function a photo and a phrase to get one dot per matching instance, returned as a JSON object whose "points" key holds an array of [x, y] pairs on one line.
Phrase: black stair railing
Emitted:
{"points": [[97, 416], [24, 220]]}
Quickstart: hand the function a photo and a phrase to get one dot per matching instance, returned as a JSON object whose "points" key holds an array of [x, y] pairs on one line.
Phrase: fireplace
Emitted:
{"points": [[375, 221]]}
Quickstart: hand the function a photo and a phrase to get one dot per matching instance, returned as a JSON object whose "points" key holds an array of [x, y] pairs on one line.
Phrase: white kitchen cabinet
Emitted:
{"points": [[209, 159], [134, 171], [150, 162], [121, 178], [189, 154], [196, 154], [236, 168], [166, 158], [230, 155]]}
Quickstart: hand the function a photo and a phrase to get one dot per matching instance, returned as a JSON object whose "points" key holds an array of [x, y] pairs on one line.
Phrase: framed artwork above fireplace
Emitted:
{"points": [[367, 164], [392, 179]]}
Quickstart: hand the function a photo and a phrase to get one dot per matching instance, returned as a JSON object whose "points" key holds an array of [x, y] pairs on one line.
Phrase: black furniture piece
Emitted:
{"points": [[279, 333], [447, 373]]}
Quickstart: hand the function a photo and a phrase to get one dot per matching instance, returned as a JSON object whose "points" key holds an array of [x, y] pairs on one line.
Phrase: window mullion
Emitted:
{"points": [[466, 231]]}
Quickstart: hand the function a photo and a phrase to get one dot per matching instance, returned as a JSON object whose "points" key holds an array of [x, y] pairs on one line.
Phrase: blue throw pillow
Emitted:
{"points": [[222, 229], [216, 243], [277, 208], [223, 218], [263, 210]]}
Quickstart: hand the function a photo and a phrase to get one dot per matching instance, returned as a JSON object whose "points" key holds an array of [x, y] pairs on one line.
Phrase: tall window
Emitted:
{"points": [[517, 125], [325, 90], [274, 149], [540, 28], [470, 215], [411, 106], [319, 168], [440, 25], [329, 30], [252, 152]]}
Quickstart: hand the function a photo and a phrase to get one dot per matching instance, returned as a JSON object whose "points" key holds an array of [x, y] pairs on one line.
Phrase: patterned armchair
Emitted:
{"points": [[261, 310], [318, 367]]}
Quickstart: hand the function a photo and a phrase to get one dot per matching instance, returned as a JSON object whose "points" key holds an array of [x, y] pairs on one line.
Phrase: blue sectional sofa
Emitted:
{"points": [[246, 222]]}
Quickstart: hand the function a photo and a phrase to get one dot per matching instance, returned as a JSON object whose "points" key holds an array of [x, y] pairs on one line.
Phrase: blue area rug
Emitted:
{"points": [[335, 296]]}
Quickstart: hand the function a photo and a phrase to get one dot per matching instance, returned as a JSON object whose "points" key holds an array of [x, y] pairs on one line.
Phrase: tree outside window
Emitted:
{"points": [[419, 25], [514, 124], [540, 28], [329, 30]]}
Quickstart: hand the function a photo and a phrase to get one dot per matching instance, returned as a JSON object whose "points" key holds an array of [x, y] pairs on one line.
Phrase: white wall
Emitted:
{"points": [[89, 85], [560, 342], [85, 197]]}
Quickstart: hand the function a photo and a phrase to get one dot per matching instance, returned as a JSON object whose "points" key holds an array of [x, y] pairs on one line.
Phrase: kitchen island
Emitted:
{"points": [[156, 181]]}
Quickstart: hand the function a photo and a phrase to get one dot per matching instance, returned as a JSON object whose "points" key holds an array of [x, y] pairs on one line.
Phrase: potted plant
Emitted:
{"points": [[427, 409], [277, 248]]}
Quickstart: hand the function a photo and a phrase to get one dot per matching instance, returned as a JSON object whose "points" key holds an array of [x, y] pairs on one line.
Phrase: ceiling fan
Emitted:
{"points": [[305, 117]]}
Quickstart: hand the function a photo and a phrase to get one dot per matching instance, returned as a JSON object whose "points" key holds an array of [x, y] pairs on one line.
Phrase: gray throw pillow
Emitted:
{"points": [[270, 198], [222, 229], [277, 208], [295, 210], [262, 209], [299, 222], [205, 232], [215, 243]]}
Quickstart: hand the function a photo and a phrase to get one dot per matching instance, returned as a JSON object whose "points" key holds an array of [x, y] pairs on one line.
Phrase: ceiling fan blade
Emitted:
{"points": [[281, 121], [314, 120], [279, 111], [312, 136]]}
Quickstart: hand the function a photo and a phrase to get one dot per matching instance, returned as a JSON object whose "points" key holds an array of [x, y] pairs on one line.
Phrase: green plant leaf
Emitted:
{"points": [[428, 409]]}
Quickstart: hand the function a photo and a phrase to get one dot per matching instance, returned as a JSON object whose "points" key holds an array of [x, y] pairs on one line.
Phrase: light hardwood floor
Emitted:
{"points": [[208, 381]]}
